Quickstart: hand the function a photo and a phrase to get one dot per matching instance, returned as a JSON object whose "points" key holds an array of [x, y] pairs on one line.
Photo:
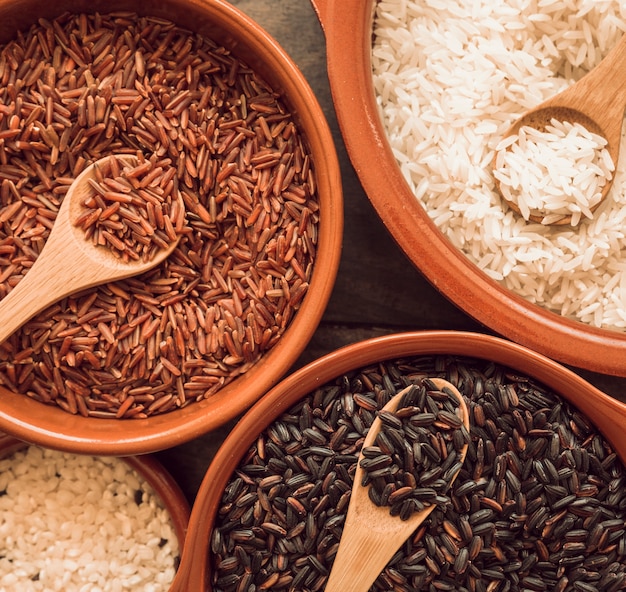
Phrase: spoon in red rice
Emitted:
{"points": [[371, 535], [71, 259], [597, 102]]}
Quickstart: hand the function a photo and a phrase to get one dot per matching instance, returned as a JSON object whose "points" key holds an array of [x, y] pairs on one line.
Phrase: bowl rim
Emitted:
{"points": [[50, 426], [347, 25], [352, 357]]}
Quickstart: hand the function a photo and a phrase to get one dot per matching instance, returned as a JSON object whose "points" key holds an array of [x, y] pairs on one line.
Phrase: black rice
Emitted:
{"points": [[417, 453], [539, 502]]}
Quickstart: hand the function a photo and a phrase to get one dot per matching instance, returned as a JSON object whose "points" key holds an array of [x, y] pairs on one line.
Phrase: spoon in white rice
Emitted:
{"points": [[555, 164]]}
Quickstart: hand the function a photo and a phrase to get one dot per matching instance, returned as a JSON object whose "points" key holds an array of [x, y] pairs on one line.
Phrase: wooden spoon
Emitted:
{"points": [[371, 535], [596, 101], [69, 261]]}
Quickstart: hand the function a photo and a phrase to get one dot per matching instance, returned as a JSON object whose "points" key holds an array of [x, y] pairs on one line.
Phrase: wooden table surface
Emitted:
{"points": [[377, 291]]}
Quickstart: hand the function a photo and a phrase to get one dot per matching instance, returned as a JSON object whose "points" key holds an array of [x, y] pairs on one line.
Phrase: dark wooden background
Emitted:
{"points": [[377, 290]]}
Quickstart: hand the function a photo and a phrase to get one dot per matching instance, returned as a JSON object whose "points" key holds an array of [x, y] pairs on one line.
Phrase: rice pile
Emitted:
{"points": [[133, 210], [75, 523], [450, 78], [552, 173]]}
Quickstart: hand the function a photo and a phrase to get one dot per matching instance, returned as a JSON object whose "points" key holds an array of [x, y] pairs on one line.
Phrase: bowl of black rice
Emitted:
{"points": [[537, 505]]}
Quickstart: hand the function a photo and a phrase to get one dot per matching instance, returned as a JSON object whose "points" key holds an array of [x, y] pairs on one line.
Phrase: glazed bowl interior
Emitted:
{"points": [[50, 426], [348, 27], [601, 409]]}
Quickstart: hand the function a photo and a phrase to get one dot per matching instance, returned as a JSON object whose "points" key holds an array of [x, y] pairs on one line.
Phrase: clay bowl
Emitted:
{"points": [[46, 425], [599, 407], [151, 470], [347, 26]]}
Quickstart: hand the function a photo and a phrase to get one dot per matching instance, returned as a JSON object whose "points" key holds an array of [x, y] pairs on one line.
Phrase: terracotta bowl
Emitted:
{"points": [[347, 25], [50, 426], [607, 413], [164, 485]]}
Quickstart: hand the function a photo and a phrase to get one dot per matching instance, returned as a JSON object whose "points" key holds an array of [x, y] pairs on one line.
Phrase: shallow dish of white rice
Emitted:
{"points": [[430, 87], [78, 523]]}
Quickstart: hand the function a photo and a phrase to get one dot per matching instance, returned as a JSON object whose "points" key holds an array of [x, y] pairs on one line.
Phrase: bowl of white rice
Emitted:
{"points": [[77, 522], [426, 89]]}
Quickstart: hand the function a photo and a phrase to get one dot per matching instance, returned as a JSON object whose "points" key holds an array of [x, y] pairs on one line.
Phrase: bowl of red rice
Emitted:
{"points": [[146, 363], [426, 90]]}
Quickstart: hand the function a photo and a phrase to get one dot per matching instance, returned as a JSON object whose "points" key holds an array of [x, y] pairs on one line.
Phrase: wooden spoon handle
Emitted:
{"points": [[610, 76], [600, 94], [358, 564], [47, 281]]}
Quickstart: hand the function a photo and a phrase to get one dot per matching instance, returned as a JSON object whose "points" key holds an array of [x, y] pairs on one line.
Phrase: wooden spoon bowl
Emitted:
{"points": [[69, 261], [371, 535], [596, 102]]}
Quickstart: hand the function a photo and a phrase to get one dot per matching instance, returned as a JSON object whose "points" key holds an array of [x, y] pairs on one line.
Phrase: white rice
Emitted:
{"points": [[72, 523], [451, 76], [556, 172]]}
